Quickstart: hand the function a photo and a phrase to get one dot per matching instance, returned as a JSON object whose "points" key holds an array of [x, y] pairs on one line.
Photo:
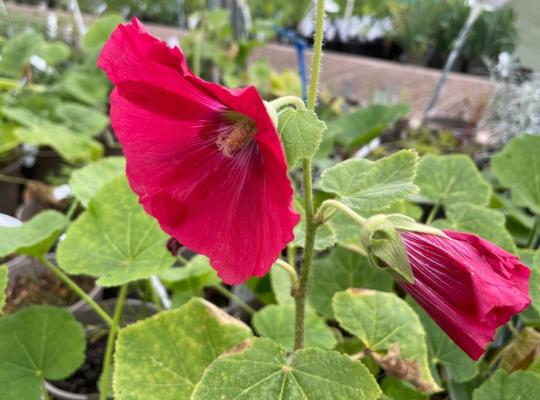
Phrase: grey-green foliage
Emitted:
{"points": [[451, 179], [517, 167], [260, 369], [114, 240], [369, 186], [488, 223], [165, 356]]}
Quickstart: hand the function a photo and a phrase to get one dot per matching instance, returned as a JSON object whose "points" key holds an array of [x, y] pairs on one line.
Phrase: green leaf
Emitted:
{"points": [[114, 240], [54, 53], [84, 120], [260, 369], [401, 390], [37, 343], [3, 286], [21, 115], [86, 181], [100, 30], [452, 179], [483, 221], [340, 270], [196, 274], [88, 88], [369, 186], [70, 146], [34, 237], [360, 126], [301, 132], [325, 237], [384, 322], [167, 354], [443, 350], [281, 285], [276, 322], [501, 386], [517, 167], [535, 282], [16, 53]]}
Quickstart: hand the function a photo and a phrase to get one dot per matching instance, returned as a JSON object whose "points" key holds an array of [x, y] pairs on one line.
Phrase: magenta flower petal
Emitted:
{"points": [[467, 285], [205, 161]]}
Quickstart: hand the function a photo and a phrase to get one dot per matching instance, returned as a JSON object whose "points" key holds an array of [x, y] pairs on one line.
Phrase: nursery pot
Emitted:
{"points": [[10, 192], [28, 266], [48, 162], [134, 310]]}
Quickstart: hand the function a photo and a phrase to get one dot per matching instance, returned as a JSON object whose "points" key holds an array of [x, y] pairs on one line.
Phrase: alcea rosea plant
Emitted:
{"points": [[211, 166], [207, 163]]}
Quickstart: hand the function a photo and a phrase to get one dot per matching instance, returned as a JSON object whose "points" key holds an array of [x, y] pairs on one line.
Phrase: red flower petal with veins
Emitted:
{"points": [[205, 161], [467, 285]]}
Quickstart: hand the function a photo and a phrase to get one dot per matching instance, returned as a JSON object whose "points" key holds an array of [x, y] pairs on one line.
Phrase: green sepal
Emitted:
{"points": [[385, 248], [406, 223]]}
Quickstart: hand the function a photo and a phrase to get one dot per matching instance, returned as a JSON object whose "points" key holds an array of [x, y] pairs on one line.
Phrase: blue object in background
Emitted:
{"points": [[300, 46]]}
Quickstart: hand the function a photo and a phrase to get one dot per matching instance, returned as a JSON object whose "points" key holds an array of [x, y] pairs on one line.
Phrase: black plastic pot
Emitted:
{"points": [[10, 193], [27, 265]]}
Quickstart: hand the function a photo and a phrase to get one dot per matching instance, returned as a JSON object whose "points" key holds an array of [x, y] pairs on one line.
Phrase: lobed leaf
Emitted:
{"points": [[488, 223], [517, 167], [452, 179], [114, 240], [260, 369], [167, 354], [369, 186], [387, 324], [37, 343]]}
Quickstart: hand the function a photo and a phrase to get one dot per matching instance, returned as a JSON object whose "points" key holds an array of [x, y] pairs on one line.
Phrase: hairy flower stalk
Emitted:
{"points": [[311, 226]]}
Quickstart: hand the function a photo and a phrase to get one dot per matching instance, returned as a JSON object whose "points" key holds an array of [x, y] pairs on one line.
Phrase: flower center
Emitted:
{"points": [[236, 136]]}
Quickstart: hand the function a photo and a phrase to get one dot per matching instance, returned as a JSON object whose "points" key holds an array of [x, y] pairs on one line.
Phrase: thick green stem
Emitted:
{"points": [[311, 226], [291, 255], [235, 299], [77, 289], [288, 101], [111, 340]]}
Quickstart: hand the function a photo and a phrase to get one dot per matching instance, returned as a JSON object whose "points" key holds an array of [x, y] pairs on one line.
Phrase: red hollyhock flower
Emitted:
{"points": [[205, 161], [467, 285]]}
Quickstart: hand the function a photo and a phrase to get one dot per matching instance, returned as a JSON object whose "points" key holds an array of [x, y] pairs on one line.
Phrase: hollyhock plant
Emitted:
{"points": [[206, 161], [467, 285]]}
